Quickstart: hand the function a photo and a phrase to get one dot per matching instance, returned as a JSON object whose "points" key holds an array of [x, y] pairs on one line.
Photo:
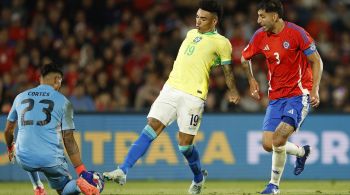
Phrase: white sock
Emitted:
{"points": [[293, 149], [279, 157]]}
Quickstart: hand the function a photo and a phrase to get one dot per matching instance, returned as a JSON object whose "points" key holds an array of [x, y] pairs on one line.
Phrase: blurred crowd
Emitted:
{"points": [[117, 54]]}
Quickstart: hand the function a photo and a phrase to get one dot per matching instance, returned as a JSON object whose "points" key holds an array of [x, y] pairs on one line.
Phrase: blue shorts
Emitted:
{"points": [[295, 107], [58, 176]]}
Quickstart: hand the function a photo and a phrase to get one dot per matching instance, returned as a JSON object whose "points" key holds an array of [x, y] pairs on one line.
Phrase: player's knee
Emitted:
{"points": [[278, 142], [279, 139], [156, 125], [267, 141], [185, 139], [267, 147]]}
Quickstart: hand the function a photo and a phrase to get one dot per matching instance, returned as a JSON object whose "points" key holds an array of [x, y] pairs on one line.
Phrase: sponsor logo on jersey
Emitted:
{"points": [[286, 44]]}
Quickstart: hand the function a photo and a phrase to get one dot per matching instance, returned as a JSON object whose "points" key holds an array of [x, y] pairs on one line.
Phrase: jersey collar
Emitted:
{"points": [[278, 34], [210, 33]]}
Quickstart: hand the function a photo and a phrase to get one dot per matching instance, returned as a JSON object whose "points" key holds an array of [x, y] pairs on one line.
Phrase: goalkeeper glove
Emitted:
{"points": [[87, 175]]}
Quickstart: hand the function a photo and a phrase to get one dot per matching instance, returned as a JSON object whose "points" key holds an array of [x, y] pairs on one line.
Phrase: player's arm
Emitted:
{"points": [[9, 138], [71, 147], [248, 52], [317, 68], [10, 130], [224, 52], [307, 45], [73, 150], [74, 155], [253, 84], [68, 138], [231, 84]]}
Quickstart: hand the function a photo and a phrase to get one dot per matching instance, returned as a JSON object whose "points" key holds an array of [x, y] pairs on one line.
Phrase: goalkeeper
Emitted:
{"points": [[45, 120]]}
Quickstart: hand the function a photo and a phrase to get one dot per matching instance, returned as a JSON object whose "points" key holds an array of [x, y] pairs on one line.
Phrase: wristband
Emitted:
{"points": [[80, 169]]}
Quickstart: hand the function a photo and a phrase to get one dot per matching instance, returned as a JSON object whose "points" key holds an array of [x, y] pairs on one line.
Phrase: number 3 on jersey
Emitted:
{"points": [[277, 55]]}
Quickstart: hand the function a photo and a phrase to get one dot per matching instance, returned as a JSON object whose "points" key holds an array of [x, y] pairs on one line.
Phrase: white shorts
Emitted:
{"points": [[174, 104]]}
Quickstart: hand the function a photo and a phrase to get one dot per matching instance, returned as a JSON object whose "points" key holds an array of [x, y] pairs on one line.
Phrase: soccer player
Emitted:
{"points": [[185, 92], [294, 74], [45, 119]]}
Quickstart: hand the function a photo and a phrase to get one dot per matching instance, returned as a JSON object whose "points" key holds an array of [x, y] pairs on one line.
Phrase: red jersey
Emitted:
{"points": [[289, 72]]}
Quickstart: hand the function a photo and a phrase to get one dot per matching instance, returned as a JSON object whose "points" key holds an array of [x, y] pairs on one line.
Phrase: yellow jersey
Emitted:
{"points": [[199, 52]]}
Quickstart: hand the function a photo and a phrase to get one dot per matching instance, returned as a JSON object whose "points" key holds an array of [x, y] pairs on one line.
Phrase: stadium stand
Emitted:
{"points": [[118, 53]]}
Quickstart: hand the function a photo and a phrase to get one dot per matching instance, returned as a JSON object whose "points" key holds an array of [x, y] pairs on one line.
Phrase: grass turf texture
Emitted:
{"points": [[300, 187]]}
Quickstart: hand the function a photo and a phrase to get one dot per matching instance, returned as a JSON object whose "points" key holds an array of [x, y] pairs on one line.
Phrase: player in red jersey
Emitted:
{"points": [[294, 74]]}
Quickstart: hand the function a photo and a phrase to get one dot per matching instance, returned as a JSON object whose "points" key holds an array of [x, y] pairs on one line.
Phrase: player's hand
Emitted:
{"points": [[314, 98], [11, 151], [254, 89], [233, 96], [88, 176]]}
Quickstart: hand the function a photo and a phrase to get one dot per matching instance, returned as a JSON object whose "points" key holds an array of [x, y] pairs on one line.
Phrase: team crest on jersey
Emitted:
{"points": [[286, 44], [197, 39]]}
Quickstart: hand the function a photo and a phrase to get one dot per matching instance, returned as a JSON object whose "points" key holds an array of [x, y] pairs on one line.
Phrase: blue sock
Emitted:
{"points": [[71, 188], [139, 148], [192, 156]]}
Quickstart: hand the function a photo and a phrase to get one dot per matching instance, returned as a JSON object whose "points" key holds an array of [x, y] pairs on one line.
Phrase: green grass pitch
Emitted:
{"points": [[299, 187]]}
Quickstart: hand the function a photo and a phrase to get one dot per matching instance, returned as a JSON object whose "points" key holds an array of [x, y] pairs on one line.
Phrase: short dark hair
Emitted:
{"points": [[212, 6], [271, 6], [51, 68]]}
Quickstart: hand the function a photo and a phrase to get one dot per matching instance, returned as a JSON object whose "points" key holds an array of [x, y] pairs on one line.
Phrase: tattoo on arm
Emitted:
{"points": [[69, 142], [229, 77], [71, 147], [9, 132]]}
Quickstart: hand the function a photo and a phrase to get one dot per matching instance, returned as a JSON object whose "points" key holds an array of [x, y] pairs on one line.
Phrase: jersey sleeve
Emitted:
{"points": [[67, 120], [252, 48], [12, 116], [304, 40], [224, 53]]}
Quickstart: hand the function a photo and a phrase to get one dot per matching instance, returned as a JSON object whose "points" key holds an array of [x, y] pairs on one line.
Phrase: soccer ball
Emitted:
{"points": [[98, 180]]}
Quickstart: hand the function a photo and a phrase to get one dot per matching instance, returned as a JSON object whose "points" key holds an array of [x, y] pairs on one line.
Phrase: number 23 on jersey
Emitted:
{"points": [[46, 110]]}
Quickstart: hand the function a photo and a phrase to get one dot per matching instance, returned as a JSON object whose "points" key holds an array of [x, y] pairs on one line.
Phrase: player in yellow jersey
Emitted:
{"points": [[185, 92]]}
